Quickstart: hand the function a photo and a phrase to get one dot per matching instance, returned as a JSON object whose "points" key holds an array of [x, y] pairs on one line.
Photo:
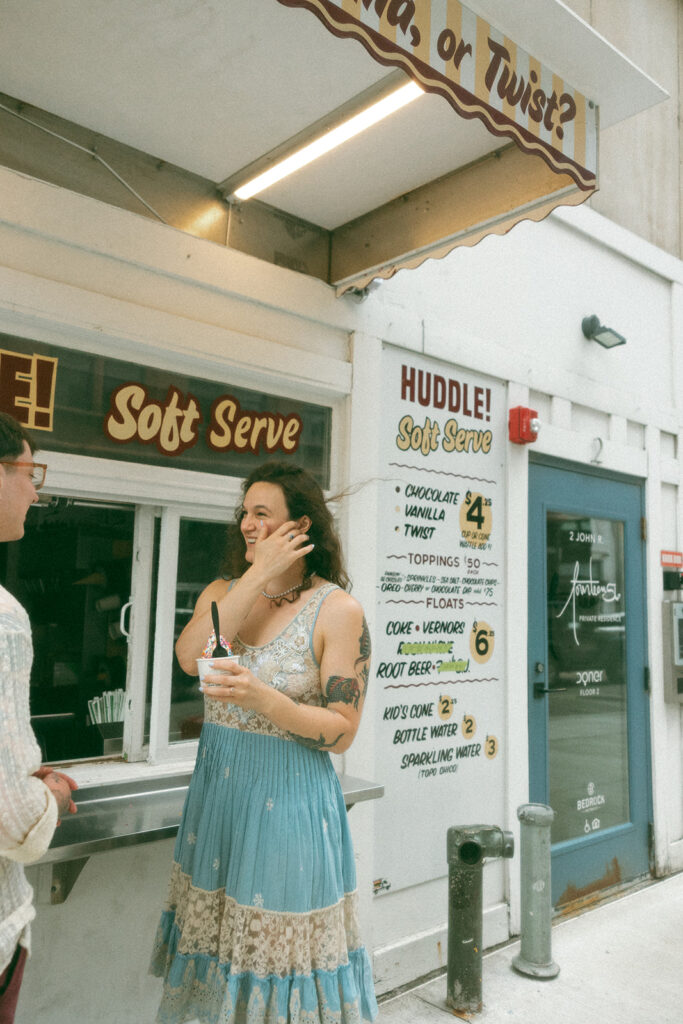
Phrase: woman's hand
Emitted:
{"points": [[234, 684], [277, 552]]}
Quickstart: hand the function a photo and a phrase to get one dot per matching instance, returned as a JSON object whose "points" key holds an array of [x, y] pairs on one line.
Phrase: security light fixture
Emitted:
{"points": [[605, 336]]}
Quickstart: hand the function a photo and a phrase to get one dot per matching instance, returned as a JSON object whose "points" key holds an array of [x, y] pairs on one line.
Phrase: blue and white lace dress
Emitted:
{"points": [[260, 925]]}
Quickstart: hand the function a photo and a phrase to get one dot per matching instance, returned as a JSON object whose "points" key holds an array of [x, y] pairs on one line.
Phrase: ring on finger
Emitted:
{"points": [[291, 536]]}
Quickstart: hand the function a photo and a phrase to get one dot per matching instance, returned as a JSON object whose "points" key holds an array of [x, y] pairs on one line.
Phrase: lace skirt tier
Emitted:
{"points": [[260, 924]]}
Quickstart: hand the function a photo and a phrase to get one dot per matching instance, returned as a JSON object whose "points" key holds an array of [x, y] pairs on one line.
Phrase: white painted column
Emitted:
{"points": [[163, 636], [659, 712], [516, 629], [362, 512], [676, 727], [676, 720]]}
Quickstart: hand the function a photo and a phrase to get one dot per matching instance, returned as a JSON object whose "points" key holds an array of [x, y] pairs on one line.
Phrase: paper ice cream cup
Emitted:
{"points": [[206, 665]]}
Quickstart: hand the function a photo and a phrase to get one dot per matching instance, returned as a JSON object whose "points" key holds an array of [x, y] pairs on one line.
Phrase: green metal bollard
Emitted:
{"points": [[467, 849], [535, 958]]}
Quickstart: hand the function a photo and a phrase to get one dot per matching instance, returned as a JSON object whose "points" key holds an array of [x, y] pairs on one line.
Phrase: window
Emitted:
{"points": [[95, 578], [131, 526]]}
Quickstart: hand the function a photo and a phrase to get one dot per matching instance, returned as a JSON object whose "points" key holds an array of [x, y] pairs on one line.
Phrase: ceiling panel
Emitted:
{"points": [[208, 85]]}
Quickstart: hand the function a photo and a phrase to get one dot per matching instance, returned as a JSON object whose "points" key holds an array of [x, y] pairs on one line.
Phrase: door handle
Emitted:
{"points": [[540, 689], [122, 619]]}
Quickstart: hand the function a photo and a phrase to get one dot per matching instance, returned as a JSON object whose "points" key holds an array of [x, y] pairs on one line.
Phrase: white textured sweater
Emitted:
{"points": [[28, 811]]}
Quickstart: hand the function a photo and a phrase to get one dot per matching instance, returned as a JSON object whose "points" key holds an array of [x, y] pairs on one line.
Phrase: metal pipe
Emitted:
{"points": [[90, 152], [535, 956], [467, 849]]}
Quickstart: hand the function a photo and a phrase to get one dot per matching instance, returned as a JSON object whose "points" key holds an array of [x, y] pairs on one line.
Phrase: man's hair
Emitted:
{"points": [[12, 437]]}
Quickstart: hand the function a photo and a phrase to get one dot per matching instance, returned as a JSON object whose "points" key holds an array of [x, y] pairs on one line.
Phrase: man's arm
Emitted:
{"points": [[28, 810]]}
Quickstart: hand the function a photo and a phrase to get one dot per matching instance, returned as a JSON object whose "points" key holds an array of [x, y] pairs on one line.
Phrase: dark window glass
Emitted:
{"points": [[587, 712], [72, 572]]}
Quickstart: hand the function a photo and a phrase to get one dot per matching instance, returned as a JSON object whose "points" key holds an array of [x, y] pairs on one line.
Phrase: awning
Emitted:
{"points": [[186, 110], [451, 51]]}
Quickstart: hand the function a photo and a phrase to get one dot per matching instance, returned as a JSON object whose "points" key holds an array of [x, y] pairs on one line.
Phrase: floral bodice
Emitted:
{"points": [[286, 663]]}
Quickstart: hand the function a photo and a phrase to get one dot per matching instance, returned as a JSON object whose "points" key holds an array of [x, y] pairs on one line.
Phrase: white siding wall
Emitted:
{"points": [[512, 307]]}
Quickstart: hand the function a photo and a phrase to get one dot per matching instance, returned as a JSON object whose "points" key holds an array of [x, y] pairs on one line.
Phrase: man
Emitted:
{"points": [[32, 799]]}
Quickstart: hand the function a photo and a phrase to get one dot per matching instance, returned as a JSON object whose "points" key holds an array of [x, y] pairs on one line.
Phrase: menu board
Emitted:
{"points": [[438, 647]]}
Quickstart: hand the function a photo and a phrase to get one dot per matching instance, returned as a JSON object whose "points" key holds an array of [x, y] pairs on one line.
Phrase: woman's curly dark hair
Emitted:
{"points": [[303, 497]]}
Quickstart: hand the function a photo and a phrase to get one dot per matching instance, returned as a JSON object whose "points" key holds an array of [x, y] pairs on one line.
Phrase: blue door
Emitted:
{"points": [[588, 701]]}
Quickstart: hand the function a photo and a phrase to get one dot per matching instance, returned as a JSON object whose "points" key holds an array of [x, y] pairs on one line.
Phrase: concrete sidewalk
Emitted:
{"points": [[621, 963]]}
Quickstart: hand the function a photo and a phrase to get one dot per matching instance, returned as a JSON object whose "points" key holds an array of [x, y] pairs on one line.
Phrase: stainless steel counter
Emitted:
{"points": [[129, 813], [119, 814]]}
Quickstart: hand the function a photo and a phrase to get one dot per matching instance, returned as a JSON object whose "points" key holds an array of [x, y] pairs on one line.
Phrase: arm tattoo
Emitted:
{"points": [[365, 649], [364, 643], [320, 744], [340, 690], [343, 689]]}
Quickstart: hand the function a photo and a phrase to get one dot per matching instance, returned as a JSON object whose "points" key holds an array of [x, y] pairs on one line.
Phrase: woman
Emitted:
{"points": [[260, 925]]}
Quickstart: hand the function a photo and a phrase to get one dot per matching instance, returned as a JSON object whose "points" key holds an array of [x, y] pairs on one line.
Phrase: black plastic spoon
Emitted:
{"points": [[219, 650]]}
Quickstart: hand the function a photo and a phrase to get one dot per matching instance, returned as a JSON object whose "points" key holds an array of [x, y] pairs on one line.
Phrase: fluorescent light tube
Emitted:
{"points": [[330, 140]]}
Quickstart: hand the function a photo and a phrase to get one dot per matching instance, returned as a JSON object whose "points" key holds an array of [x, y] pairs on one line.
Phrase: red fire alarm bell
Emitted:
{"points": [[523, 425]]}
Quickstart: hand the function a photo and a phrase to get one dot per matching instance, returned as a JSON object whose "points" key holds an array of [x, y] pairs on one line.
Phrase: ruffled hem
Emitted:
{"points": [[253, 938], [198, 987]]}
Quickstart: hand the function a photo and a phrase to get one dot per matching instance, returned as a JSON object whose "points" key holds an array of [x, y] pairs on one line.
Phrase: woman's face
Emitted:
{"points": [[263, 503]]}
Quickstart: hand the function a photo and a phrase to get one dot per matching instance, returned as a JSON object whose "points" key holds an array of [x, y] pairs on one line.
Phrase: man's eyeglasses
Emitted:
{"points": [[38, 471]]}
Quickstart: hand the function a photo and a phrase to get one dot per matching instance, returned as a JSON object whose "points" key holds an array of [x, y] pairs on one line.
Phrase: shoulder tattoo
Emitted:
{"points": [[348, 690]]}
